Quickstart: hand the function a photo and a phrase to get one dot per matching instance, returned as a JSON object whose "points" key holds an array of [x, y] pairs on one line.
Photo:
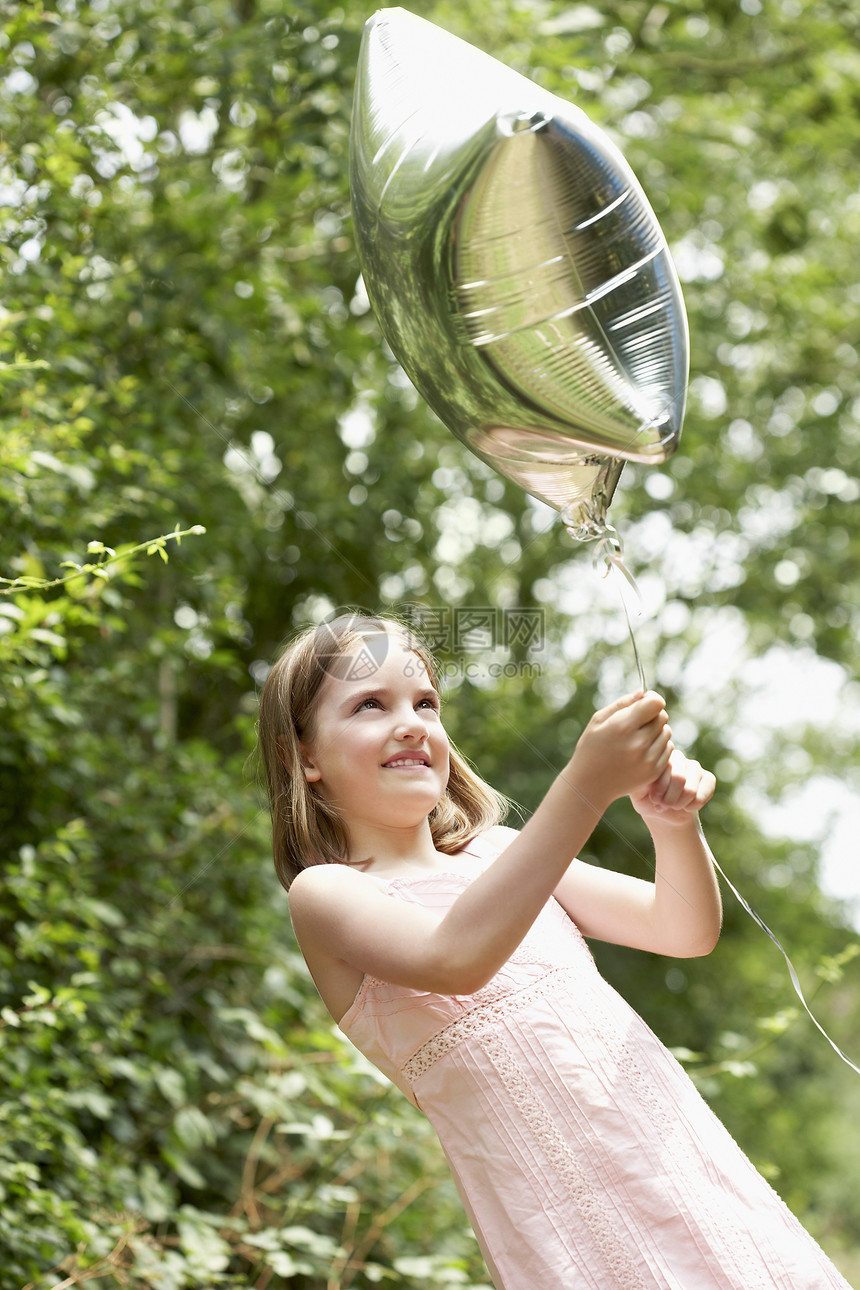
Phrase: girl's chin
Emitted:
{"points": [[411, 814], [423, 781]]}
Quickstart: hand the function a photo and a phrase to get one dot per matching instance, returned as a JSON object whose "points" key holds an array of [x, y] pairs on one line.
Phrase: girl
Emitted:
{"points": [[451, 951]]}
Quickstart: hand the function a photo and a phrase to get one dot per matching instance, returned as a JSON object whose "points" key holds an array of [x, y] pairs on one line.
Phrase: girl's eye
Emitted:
{"points": [[372, 702]]}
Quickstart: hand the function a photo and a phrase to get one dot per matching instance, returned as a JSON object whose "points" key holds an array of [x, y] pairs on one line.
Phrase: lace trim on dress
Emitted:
{"points": [[609, 1244], [745, 1253], [494, 1001]]}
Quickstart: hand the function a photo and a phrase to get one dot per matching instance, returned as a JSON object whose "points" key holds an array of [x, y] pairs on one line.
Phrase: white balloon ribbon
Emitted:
{"points": [[609, 550], [792, 971]]}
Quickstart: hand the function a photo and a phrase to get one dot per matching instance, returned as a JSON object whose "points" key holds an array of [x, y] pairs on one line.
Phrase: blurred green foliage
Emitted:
{"points": [[183, 343]]}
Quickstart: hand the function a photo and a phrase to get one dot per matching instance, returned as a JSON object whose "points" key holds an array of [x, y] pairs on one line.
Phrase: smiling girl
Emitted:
{"points": [[451, 950]]}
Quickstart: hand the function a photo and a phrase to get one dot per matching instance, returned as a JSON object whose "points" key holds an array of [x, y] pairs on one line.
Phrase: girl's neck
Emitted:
{"points": [[394, 853]]}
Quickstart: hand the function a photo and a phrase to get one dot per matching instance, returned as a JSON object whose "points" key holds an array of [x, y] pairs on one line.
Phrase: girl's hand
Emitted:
{"points": [[625, 748], [674, 798]]}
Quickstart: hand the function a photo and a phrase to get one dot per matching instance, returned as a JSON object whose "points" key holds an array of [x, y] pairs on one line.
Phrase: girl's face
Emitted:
{"points": [[377, 747]]}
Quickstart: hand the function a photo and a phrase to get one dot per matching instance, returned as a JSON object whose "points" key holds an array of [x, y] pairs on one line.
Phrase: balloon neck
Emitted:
{"points": [[585, 520], [584, 513]]}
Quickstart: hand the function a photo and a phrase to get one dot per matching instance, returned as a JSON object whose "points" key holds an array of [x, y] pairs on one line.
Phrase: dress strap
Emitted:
{"points": [[483, 848]]}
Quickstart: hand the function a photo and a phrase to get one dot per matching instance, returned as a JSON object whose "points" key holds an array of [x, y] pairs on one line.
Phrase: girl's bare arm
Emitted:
{"points": [[340, 916], [679, 913]]}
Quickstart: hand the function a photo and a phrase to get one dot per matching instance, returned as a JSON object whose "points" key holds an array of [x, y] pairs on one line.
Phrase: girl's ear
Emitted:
{"points": [[285, 752], [312, 772]]}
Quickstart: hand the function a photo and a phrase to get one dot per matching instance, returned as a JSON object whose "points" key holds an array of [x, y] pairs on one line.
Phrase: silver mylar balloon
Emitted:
{"points": [[516, 267]]}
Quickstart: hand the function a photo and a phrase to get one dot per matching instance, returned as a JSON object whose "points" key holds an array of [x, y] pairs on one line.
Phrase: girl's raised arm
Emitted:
{"points": [[679, 913], [342, 919]]}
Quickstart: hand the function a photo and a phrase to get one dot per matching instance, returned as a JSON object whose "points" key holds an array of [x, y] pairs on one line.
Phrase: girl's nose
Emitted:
{"points": [[410, 723]]}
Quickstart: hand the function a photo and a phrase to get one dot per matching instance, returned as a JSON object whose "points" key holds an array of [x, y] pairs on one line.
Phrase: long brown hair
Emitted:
{"points": [[307, 829]]}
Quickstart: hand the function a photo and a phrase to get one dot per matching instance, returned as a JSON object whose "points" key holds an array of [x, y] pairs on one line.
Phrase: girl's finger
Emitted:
{"points": [[707, 785], [661, 739], [626, 701], [653, 708], [683, 784], [662, 756], [660, 785]]}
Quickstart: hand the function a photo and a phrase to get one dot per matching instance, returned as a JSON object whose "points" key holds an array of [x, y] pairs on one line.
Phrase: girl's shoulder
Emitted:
{"points": [[320, 884], [501, 833], [492, 841], [325, 900], [319, 881]]}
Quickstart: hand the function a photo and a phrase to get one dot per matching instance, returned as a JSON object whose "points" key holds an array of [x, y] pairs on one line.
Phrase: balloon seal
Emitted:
{"points": [[585, 523], [584, 515]]}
